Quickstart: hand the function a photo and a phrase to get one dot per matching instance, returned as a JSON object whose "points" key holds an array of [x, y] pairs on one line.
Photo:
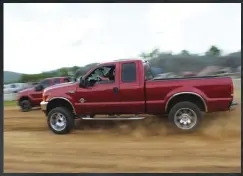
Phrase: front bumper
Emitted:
{"points": [[43, 105], [233, 105]]}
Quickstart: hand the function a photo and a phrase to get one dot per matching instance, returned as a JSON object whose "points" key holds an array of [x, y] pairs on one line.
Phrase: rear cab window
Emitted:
{"points": [[128, 72], [56, 81], [67, 79]]}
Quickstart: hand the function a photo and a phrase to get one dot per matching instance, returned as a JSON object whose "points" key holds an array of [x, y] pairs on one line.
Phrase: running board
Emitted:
{"points": [[112, 118]]}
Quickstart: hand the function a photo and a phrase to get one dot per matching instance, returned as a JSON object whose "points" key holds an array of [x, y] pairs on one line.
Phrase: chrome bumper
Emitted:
{"points": [[233, 105], [43, 105]]}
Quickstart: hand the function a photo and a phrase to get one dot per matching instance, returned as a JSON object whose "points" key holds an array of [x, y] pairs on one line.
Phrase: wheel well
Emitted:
{"points": [[59, 103], [186, 97], [24, 98]]}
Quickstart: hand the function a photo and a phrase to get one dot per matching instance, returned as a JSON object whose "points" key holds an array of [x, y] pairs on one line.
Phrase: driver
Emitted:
{"points": [[99, 76], [111, 75]]}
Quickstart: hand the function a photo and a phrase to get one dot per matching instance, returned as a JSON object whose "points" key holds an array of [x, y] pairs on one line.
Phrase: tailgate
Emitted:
{"points": [[217, 87]]}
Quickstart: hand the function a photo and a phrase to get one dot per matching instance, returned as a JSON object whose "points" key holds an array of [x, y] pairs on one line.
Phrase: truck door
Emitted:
{"points": [[131, 91], [101, 96], [36, 96]]}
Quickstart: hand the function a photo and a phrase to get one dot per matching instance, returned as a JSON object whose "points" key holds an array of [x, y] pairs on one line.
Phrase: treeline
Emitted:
{"points": [[185, 61], [169, 62], [74, 71], [55, 73]]}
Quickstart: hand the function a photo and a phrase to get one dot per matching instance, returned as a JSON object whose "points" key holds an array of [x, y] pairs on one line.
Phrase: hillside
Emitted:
{"points": [[9, 76]]}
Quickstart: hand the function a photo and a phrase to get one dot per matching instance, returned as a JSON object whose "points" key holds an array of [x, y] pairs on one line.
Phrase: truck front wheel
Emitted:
{"points": [[185, 115], [25, 105], [60, 120]]}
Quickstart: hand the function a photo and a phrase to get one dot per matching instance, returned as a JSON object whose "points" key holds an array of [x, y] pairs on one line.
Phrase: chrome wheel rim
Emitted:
{"points": [[58, 121], [185, 118]]}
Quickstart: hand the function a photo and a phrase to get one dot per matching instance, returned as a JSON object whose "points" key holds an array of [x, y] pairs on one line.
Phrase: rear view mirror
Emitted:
{"points": [[82, 83]]}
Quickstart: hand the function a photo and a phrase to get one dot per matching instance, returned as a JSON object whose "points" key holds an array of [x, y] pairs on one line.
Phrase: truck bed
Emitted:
{"points": [[212, 89], [192, 77]]}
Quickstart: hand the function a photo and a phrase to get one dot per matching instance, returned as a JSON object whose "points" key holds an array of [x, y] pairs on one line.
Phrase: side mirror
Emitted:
{"points": [[39, 87], [82, 83]]}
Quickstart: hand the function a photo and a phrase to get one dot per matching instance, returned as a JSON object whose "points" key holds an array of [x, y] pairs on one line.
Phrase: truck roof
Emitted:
{"points": [[60, 77], [122, 60]]}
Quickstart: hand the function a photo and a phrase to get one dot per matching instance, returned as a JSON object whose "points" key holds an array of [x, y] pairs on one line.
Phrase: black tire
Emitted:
{"points": [[25, 105], [190, 107], [67, 115]]}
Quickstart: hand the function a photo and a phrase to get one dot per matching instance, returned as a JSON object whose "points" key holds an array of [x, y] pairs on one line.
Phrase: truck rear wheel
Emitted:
{"points": [[25, 105], [60, 120], [186, 116]]}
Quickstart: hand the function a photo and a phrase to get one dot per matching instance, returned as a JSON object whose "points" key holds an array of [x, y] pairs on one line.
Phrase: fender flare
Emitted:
{"points": [[62, 98], [26, 96], [191, 93]]}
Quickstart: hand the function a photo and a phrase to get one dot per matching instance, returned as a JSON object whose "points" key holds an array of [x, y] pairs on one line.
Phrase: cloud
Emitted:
{"points": [[41, 37], [43, 42], [195, 26], [166, 23]]}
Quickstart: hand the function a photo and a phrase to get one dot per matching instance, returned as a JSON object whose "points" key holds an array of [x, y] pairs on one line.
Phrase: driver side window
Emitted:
{"points": [[102, 75]]}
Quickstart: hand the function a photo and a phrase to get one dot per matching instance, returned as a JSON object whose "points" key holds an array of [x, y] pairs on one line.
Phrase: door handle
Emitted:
{"points": [[115, 90]]}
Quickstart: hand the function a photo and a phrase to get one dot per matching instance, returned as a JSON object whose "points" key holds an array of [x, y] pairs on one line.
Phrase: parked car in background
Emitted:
{"points": [[166, 75], [14, 87], [188, 74], [32, 97], [239, 69], [132, 89]]}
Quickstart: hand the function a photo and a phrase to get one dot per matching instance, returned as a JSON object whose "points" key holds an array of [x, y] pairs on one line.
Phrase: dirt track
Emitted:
{"points": [[145, 146]]}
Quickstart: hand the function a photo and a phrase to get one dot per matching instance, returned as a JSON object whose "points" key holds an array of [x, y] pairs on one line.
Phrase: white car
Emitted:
{"points": [[14, 88]]}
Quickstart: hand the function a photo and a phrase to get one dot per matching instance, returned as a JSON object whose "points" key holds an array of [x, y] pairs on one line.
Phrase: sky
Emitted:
{"points": [[46, 36]]}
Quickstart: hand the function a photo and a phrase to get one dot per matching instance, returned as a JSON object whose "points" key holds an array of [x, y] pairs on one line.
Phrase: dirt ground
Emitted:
{"points": [[143, 146]]}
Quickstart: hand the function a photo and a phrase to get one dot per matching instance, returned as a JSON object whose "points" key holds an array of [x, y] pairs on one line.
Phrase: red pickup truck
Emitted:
{"points": [[132, 89], [32, 97]]}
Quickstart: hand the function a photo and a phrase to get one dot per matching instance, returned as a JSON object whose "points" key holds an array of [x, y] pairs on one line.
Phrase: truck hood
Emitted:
{"points": [[26, 91], [60, 86]]}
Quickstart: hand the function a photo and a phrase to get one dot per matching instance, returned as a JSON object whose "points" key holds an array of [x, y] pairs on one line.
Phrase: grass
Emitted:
{"points": [[10, 103]]}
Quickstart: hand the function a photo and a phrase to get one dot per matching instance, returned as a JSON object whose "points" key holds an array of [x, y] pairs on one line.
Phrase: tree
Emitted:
{"points": [[144, 55], [77, 74], [185, 53], [74, 69], [63, 71], [213, 51], [34, 77], [154, 53]]}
